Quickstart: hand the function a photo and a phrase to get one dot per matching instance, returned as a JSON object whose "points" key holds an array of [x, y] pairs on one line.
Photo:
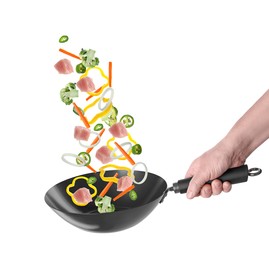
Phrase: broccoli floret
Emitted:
{"points": [[88, 59], [68, 92], [104, 204]]}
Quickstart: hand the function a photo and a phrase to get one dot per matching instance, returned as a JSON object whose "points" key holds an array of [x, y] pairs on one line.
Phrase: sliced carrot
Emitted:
{"points": [[123, 193], [126, 155], [69, 53], [96, 91], [82, 117], [105, 190], [110, 74], [91, 168], [95, 140]]}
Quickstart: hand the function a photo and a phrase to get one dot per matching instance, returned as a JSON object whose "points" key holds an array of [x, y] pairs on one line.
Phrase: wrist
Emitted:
{"points": [[236, 148]]}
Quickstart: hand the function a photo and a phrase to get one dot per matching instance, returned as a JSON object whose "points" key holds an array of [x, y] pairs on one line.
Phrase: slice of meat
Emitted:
{"points": [[86, 84], [64, 66], [103, 154], [118, 130], [81, 133], [82, 196], [124, 183]]}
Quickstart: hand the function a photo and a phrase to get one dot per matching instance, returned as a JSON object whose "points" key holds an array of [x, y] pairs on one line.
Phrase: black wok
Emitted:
{"points": [[128, 213]]}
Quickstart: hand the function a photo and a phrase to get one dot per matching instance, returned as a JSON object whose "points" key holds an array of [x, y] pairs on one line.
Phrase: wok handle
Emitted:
{"points": [[233, 175]]}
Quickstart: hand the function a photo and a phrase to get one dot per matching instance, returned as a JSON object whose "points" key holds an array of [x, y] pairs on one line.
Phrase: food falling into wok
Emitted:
{"points": [[102, 133]]}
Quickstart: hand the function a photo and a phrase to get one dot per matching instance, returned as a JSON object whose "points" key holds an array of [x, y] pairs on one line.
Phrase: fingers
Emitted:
{"points": [[206, 191], [215, 188], [195, 186], [227, 186]]}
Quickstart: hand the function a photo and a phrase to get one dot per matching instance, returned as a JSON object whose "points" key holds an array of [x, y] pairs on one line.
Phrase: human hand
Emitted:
{"points": [[209, 166]]}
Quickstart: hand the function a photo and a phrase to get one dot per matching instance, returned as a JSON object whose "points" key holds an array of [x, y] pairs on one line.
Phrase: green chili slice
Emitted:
{"points": [[80, 68], [92, 180], [63, 39], [75, 111], [85, 156], [127, 120], [98, 127], [137, 149], [133, 195]]}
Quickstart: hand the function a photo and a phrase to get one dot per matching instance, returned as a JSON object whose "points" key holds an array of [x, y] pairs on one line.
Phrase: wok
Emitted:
{"points": [[128, 213]]}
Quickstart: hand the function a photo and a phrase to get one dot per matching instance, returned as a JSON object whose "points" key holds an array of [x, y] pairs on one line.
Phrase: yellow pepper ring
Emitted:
{"points": [[94, 103], [108, 143], [131, 139], [102, 74], [99, 92], [101, 114], [96, 67], [113, 179], [91, 105], [111, 148], [73, 185]]}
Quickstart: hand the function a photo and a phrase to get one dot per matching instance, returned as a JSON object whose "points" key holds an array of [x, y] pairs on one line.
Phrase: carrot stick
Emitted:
{"points": [[110, 74], [95, 140], [123, 193], [82, 117], [126, 155], [91, 168], [105, 190], [69, 53], [96, 91]]}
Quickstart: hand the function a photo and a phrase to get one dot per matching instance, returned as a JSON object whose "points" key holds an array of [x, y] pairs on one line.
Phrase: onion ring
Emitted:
{"points": [[102, 96], [76, 156], [145, 176]]}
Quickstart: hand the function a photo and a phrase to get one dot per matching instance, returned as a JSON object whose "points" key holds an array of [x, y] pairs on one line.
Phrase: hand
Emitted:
{"points": [[209, 166]]}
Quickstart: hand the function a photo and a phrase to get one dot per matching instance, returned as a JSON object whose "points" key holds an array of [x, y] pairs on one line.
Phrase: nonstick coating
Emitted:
{"points": [[128, 213]]}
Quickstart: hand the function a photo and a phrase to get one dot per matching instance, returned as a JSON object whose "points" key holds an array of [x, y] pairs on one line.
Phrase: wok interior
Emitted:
{"points": [[151, 190]]}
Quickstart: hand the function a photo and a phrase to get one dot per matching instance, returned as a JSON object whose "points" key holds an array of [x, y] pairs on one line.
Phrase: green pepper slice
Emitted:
{"points": [[80, 68], [85, 156], [75, 111], [98, 127], [92, 180], [63, 39], [127, 120], [133, 195], [137, 149]]}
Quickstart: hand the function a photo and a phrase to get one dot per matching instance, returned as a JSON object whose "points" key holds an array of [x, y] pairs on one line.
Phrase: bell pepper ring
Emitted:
{"points": [[73, 185], [113, 179]]}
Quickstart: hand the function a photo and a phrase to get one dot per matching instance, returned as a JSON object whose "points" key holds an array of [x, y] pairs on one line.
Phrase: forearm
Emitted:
{"points": [[250, 131]]}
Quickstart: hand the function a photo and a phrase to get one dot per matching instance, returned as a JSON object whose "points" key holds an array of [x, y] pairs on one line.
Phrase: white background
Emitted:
{"points": [[186, 70]]}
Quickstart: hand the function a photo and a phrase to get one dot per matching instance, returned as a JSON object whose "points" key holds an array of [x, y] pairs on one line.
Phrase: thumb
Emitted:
{"points": [[195, 185]]}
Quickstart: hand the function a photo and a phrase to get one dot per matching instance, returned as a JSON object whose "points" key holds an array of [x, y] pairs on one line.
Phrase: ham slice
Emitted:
{"points": [[124, 183], [82, 196], [64, 66], [103, 154], [118, 130], [81, 133], [86, 84]]}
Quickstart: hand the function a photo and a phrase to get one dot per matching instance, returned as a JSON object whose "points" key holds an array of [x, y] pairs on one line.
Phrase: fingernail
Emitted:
{"points": [[190, 195]]}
